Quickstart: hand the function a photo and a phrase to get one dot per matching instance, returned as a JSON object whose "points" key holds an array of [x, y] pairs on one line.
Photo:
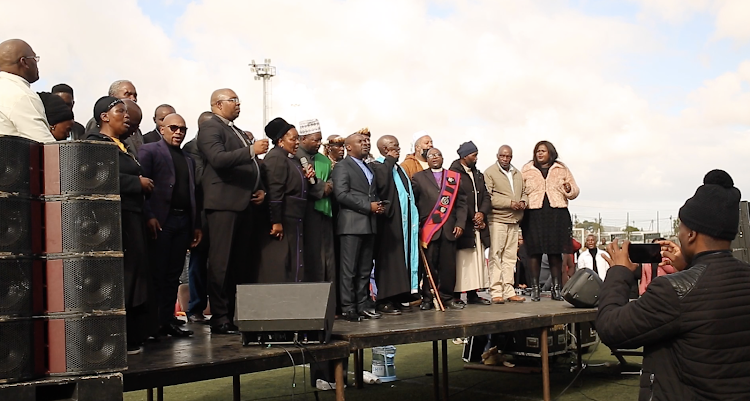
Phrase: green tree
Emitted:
{"points": [[630, 229], [675, 226], [590, 226]]}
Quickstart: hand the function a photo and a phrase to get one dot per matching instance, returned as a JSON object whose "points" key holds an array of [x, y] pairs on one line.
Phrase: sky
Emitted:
{"points": [[641, 98]]}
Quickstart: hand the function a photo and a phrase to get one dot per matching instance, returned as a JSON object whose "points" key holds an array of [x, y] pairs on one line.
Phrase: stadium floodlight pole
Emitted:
{"points": [[264, 72]]}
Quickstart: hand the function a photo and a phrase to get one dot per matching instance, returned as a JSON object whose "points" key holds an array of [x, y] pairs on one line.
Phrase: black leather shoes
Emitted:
{"points": [[370, 314], [174, 331], [387, 309], [351, 316], [478, 301], [426, 305], [226, 328], [454, 304], [197, 319], [178, 322]]}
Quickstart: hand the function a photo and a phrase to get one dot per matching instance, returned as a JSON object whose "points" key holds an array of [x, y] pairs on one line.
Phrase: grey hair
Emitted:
{"points": [[116, 86]]}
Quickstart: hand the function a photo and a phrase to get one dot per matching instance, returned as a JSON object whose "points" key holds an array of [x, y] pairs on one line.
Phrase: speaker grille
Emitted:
{"points": [[15, 287], [16, 350], [95, 343], [15, 164], [88, 168], [91, 226], [93, 284], [15, 225]]}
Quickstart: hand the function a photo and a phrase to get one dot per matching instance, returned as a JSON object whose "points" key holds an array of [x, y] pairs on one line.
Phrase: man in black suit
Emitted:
{"points": [[172, 215], [160, 113], [355, 190], [442, 215], [231, 188], [197, 269]]}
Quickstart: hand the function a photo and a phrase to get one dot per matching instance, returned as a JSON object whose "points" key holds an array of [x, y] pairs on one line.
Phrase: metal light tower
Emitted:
{"points": [[264, 72]]}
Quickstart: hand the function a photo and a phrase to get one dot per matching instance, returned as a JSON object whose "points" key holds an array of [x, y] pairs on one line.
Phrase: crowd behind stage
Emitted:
{"points": [[337, 210]]}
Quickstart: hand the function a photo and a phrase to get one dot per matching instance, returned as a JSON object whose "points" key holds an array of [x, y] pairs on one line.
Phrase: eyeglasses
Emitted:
{"points": [[36, 58], [235, 100], [175, 128], [435, 156]]}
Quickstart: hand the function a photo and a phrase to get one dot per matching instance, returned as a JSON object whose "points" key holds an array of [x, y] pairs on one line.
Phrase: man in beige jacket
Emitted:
{"points": [[505, 185]]}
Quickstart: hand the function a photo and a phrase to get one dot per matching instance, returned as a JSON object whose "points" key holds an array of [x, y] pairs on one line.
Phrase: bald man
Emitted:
{"points": [[172, 215], [232, 189], [21, 109], [160, 113]]}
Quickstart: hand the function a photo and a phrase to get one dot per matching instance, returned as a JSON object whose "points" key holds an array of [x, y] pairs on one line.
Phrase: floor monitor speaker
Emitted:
{"points": [[285, 313], [86, 343], [582, 290], [80, 168]]}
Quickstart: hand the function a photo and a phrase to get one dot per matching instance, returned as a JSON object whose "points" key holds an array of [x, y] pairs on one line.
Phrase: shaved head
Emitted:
{"points": [[135, 116], [389, 143], [205, 116], [173, 137], [225, 103], [17, 57]]}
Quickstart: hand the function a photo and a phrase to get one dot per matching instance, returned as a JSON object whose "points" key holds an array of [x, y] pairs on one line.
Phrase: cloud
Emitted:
{"points": [[493, 72]]}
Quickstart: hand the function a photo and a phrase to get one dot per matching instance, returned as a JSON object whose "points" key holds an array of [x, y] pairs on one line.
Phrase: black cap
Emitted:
{"points": [[714, 210], [276, 128], [55, 108], [103, 105]]}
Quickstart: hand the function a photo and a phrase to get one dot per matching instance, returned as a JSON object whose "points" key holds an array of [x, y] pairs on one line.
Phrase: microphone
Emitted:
{"points": [[305, 163]]}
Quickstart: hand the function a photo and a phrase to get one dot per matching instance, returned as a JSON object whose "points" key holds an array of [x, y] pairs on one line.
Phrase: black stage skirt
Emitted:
{"points": [[547, 230]]}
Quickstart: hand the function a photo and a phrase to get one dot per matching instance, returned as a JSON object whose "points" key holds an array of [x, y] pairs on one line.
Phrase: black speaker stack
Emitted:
{"points": [[62, 309]]}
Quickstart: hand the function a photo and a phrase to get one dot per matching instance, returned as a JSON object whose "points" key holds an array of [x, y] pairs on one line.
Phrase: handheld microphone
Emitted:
{"points": [[305, 163]]}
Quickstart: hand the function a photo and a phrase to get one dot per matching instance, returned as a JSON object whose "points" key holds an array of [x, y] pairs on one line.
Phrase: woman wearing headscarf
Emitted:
{"points": [[286, 182], [114, 122], [547, 227], [59, 115]]}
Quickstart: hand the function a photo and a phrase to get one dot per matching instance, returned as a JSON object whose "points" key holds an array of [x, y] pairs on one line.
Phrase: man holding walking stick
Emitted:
{"points": [[442, 214]]}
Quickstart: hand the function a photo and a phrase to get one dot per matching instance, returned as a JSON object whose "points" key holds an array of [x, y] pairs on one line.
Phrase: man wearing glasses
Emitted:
{"points": [[21, 109], [232, 188], [173, 218]]}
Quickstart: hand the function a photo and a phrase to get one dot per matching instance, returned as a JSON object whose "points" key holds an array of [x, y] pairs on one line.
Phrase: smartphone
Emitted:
{"points": [[645, 253], [385, 202]]}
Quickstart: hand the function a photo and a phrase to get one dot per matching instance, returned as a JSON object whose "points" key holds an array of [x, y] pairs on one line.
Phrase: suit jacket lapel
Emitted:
{"points": [[167, 157], [356, 167]]}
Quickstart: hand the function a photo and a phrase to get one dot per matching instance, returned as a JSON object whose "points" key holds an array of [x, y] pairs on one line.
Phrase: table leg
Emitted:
{"points": [[359, 367], [160, 394], [545, 364], [445, 370], [435, 371], [339, 374], [149, 394], [236, 387], [579, 337]]}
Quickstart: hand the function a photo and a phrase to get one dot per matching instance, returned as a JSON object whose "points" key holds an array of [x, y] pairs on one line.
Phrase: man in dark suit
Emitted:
{"points": [[172, 216], [231, 188], [442, 215], [355, 190], [160, 113], [197, 269]]}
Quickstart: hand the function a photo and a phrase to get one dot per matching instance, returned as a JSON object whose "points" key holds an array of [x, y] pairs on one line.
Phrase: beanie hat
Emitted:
{"points": [[466, 149], [277, 128], [55, 108], [714, 210]]}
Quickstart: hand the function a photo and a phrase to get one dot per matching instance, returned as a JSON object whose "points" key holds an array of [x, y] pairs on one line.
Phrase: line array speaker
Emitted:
{"points": [[18, 216], [20, 285], [86, 343], [82, 225], [19, 165], [21, 349], [84, 284], [80, 168]]}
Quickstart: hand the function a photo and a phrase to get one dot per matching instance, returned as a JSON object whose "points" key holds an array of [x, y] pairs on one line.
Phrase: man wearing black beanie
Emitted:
{"points": [[694, 325]]}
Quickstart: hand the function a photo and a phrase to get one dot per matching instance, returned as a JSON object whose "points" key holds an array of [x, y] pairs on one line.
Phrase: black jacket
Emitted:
{"points": [[485, 206], [426, 194], [354, 195], [131, 192], [151, 137], [231, 174], [286, 184], [694, 327]]}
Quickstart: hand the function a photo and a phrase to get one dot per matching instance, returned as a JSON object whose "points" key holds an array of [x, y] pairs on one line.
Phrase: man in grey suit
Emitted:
{"points": [[355, 190]]}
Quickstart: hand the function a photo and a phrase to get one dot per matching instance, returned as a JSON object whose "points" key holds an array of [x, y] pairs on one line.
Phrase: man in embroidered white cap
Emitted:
{"points": [[417, 161]]}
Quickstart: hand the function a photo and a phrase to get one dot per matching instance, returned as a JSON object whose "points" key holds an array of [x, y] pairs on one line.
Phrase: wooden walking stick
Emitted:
{"points": [[433, 288]]}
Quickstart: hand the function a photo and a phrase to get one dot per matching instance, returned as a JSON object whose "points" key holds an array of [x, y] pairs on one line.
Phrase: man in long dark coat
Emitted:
{"points": [[396, 252]]}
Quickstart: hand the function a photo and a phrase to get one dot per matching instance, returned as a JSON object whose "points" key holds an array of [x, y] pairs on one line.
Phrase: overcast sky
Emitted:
{"points": [[641, 98]]}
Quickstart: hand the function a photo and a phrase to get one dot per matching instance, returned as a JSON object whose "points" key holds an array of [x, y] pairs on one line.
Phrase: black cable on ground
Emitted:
{"points": [[580, 371]]}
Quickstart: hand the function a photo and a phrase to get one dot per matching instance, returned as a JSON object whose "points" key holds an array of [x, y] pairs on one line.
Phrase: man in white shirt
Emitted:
{"points": [[591, 258], [21, 109]]}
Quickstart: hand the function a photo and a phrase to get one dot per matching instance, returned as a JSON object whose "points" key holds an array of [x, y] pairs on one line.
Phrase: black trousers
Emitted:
{"points": [[356, 265], [169, 250], [229, 253], [441, 257]]}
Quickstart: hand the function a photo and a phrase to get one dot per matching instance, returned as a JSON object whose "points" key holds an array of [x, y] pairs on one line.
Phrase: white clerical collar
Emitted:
{"points": [[439, 170]]}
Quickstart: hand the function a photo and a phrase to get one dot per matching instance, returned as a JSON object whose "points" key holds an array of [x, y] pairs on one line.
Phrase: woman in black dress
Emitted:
{"points": [[547, 227], [287, 191], [114, 121]]}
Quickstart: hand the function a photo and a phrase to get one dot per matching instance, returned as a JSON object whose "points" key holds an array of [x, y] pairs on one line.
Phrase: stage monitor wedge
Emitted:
{"points": [[582, 290], [283, 313]]}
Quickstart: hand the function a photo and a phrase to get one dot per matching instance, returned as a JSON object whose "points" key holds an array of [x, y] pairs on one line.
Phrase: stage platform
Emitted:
{"points": [[474, 320], [204, 356]]}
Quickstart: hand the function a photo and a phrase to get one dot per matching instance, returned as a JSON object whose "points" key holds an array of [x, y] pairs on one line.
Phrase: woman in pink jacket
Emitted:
{"points": [[547, 227]]}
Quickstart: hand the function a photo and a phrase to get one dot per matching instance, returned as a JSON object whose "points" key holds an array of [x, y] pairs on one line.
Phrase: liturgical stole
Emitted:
{"points": [[443, 207]]}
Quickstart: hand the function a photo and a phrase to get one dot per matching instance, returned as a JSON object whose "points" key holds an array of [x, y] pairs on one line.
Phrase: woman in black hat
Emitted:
{"points": [[287, 186], [112, 116]]}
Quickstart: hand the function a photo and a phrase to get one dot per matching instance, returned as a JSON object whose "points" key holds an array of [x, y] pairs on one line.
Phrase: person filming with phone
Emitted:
{"points": [[694, 324]]}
